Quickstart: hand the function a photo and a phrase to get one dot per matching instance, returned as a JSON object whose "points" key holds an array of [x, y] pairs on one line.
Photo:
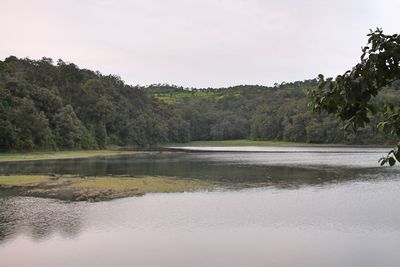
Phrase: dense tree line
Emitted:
{"points": [[47, 105], [59, 106], [281, 112]]}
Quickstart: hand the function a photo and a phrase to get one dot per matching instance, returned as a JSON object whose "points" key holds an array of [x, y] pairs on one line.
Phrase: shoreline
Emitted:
{"points": [[195, 146], [59, 155], [238, 150], [261, 143]]}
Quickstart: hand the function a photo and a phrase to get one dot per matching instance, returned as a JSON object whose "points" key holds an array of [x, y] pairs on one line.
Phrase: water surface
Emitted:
{"points": [[296, 208]]}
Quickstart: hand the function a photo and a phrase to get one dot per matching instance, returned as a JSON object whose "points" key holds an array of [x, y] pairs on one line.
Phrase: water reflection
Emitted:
{"points": [[343, 212], [230, 169], [38, 218], [235, 170], [351, 224]]}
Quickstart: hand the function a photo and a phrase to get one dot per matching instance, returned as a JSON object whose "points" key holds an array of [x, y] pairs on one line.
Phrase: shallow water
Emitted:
{"points": [[301, 166], [302, 209]]}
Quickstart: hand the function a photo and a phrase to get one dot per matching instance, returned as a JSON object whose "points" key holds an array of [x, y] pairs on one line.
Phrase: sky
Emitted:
{"points": [[197, 43]]}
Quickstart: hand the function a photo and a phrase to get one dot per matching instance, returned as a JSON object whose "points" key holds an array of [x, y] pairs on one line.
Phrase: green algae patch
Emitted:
{"points": [[23, 180], [27, 156], [93, 189], [149, 184]]}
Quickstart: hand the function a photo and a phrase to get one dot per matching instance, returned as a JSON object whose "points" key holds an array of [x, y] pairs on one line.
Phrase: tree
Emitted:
{"points": [[266, 124], [295, 129], [352, 96], [47, 106], [69, 131], [31, 127]]}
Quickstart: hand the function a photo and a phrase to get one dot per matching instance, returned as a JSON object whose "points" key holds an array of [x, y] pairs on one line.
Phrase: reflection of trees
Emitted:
{"points": [[91, 166], [198, 166], [39, 218]]}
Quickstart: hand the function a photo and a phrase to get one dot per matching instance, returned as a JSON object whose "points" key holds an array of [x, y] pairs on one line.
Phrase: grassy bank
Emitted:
{"points": [[243, 142], [21, 156], [96, 188]]}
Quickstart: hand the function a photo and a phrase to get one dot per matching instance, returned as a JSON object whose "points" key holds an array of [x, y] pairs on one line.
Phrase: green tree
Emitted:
{"points": [[7, 130], [178, 129], [69, 131], [266, 124], [31, 127], [352, 96], [295, 129]]}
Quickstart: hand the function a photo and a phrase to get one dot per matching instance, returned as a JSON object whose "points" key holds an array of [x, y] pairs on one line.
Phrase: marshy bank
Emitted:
{"points": [[73, 154], [94, 189]]}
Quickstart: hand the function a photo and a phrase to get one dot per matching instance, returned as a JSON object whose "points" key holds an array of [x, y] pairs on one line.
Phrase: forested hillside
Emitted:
{"points": [[59, 106], [48, 105], [281, 112]]}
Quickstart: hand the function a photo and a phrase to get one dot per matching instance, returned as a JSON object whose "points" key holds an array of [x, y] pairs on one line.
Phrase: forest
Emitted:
{"points": [[47, 105]]}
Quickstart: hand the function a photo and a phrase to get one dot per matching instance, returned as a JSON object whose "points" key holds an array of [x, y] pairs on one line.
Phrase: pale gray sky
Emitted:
{"points": [[197, 43]]}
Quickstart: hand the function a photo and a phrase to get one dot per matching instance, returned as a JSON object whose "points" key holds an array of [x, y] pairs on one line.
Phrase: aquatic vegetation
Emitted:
{"points": [[81, 188], [21, 156]]}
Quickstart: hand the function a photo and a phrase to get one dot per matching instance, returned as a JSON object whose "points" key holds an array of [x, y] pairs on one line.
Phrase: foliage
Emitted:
{"points": [[352, 96], [44, 106], [58, 106]]}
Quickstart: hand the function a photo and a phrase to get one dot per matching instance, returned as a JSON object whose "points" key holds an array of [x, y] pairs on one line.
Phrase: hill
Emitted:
{"points": [[54, 106]]}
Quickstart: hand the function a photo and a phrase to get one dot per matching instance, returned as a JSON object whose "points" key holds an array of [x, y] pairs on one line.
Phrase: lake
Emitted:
{"points": [[311, 206]]}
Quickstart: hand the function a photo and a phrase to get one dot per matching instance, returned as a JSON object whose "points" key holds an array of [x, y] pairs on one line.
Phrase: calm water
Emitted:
{"points": [[286, 207]]}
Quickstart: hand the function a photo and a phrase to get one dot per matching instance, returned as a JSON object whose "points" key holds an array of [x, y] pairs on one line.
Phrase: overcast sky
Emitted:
{"points": [[197, 43]]}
